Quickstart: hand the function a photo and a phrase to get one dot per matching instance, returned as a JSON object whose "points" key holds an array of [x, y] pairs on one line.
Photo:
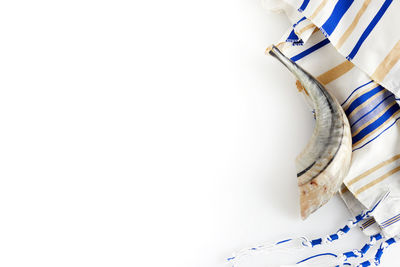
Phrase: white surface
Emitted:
{"points": [[148, 133]]}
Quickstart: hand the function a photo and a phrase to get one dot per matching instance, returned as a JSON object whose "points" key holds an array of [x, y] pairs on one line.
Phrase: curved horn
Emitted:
{"points": [[325, 161]]}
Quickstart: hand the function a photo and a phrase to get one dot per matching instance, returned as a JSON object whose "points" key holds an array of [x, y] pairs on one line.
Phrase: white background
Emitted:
{"points": [[149, 133]]}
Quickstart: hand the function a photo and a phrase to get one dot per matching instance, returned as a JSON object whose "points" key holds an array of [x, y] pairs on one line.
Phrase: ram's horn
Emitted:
{"points": [[325, 161]]}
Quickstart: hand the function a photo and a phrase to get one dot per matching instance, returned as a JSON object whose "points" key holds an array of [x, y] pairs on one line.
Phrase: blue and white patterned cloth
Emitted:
{"points": [[353, 48]]}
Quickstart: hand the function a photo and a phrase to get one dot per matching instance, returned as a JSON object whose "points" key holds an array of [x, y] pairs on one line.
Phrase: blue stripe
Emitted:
{"points": [[389, 221], [393, 109], [355, 91], [318, 255], [292, 37], [363, 98], [368, 223], [283, 241], [304, 5], [392, 222], [377, 135], [300, 42], [300, 20], [391, 95], [395, 221], [310, 50], [340, 9], [370, 27]]}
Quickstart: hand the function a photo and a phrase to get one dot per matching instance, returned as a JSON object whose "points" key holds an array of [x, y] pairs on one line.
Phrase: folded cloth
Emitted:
{"points": [[363, 31], [353, 48]]}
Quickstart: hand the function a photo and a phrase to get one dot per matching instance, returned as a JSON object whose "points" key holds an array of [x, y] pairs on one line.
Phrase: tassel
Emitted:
{"points": [[289, 245], [376, 261], [342, 260]]}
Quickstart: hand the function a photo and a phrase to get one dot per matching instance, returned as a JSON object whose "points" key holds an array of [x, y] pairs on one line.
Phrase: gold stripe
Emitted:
{"points": [[378, 180], [352, 26], [315, 30], [361, 92], [387, 64], [368, 223], [369, 100], [390, 221], [377, 167], [335, 72], [374, 131], [374, 118], [319, 8], [302, 30], [395, 221]]}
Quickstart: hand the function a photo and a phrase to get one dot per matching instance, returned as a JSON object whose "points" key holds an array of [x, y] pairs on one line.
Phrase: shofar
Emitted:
{"points": [[324, 163]]}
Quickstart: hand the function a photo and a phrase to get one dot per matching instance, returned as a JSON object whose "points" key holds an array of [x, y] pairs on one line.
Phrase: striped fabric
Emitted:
{"points": [[353, 48], [353, 28], [367, 223], [391, 221]]}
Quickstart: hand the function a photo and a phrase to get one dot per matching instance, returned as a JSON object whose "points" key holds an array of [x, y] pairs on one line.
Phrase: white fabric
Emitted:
{"points": [[381, 16]]}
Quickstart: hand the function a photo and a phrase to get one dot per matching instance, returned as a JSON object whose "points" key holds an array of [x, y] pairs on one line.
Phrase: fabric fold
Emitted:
{"points": [[364, 32]]}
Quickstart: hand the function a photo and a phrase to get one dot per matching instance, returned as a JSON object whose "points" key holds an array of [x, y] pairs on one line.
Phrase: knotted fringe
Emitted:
{"points": [[377, 259], [289, 245]]}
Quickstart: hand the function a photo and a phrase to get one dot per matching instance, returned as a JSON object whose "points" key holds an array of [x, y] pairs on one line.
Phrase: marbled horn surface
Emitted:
{"points": [[325, 161]]}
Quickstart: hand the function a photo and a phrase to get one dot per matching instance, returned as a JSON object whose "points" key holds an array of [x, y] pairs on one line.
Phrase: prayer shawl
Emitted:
{"points": [[356, 55], [353, 48]]}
